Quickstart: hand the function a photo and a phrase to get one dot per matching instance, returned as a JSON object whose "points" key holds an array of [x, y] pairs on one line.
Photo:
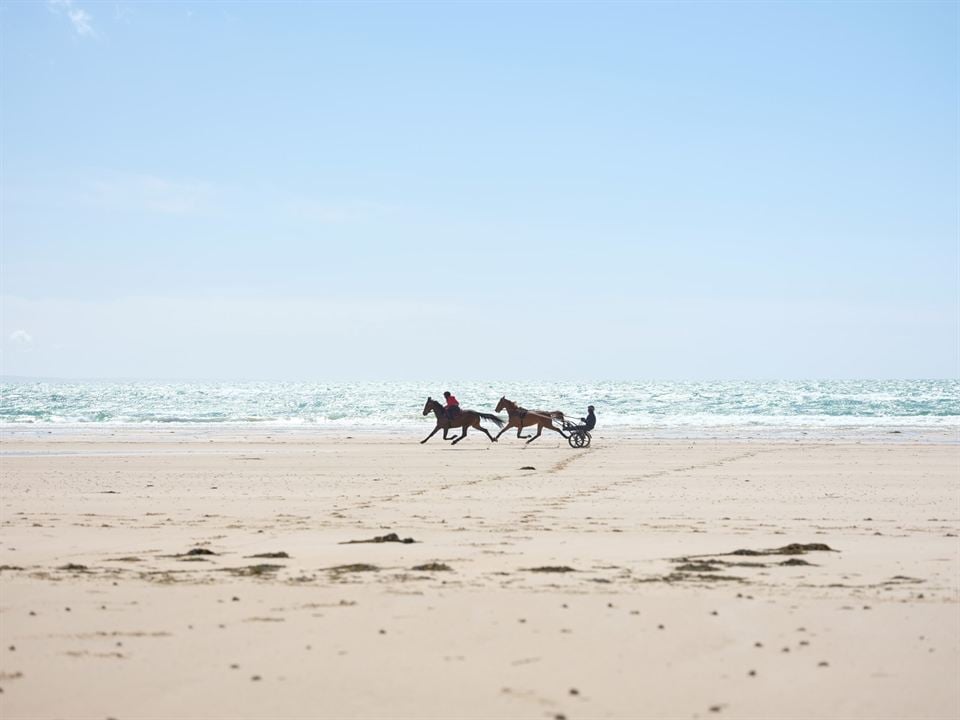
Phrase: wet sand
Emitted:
{"points": [[635, 579]]}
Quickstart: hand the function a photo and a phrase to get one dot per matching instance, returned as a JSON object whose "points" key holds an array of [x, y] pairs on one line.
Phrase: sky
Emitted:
{"points": [[620, 191]]}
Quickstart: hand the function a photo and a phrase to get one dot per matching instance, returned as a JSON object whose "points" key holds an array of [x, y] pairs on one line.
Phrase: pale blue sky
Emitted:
{"points": [[514, 190]]}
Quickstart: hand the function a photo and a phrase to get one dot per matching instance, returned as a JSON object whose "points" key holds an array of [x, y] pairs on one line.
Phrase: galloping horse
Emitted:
{"points": [[466, 419], [521, 418]]}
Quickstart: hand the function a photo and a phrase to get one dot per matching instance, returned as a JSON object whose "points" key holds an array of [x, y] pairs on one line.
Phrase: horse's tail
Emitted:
{"points": [[491, 418]]}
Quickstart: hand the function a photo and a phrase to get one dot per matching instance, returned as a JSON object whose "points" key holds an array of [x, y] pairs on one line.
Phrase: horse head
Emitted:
{"points": [[503, 403], [428, 406]]}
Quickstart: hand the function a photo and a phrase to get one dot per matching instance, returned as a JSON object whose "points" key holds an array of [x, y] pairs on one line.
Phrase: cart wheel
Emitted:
{"points": [[586, 439], [577, 439], [572, 439]]}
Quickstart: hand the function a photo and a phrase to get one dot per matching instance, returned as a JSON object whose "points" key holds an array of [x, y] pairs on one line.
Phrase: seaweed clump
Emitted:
{"points": [[389, 537]]}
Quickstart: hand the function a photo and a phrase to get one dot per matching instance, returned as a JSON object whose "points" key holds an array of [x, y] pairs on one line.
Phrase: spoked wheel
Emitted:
{"points": [[586, 439], [576, 440]]}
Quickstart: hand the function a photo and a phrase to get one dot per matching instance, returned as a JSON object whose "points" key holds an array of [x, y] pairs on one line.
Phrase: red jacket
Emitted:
{"points": [[452, 402]]}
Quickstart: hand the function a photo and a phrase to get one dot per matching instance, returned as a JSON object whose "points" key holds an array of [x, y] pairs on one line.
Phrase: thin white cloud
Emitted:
{"points": [[80, 19], [151, 194], [21, 339]]}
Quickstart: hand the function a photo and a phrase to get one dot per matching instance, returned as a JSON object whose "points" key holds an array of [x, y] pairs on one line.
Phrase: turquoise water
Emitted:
{"points": [[673, 407]]}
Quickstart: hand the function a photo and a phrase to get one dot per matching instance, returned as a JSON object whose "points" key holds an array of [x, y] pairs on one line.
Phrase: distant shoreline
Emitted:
{"points": [[255, 431]]}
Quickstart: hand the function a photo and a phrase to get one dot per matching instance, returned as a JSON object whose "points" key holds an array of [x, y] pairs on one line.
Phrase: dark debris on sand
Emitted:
{"points": [[698, 567], [432, 567], [254, 570], [791, 549], [355, 567], [553, 569], [389, 537], [271, 556]]}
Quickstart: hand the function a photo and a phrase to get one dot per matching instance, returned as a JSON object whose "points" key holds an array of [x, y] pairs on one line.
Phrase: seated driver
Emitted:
{"points": [[589, 422]]}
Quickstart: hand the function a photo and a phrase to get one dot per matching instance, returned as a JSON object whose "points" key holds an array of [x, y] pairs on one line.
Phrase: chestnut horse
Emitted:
{"points": [[465, 419], [521, 418]]}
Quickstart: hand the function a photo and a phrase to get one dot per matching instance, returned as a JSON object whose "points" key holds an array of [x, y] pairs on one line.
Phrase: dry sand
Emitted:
{"points": [[105, 614]]}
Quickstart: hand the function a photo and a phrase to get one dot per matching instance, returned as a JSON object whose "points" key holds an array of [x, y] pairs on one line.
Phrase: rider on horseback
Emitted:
{"points": [[453, 405]]}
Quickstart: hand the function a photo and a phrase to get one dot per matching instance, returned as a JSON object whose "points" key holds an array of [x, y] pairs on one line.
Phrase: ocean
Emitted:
{"points": [[927, 408]]}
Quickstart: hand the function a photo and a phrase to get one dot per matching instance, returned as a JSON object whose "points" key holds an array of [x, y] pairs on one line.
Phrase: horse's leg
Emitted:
{"points": [[480, 427], [520, 430], [539, 430], [432, 434], [464, 428], [505, 428]]}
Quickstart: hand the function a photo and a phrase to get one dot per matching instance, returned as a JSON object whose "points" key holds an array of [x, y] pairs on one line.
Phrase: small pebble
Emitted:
{"points": [[32, 612], [234, 599], [714, 612], [234, 666], [574, 691], [752, 673], [67, 609], [660, 627], [522, 620], [610, 605], [804, 642], [823, 663], [786, 649], [255, 678], [383, 632], [758, 644], [12, 648]]}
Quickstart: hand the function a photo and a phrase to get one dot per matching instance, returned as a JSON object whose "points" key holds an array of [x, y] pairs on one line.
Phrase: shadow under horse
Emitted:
{"points": [[463, 420], [520, 418]]}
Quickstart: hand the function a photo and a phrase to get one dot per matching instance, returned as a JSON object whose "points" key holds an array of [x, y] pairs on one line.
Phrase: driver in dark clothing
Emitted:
{"points": [[590, 421]]}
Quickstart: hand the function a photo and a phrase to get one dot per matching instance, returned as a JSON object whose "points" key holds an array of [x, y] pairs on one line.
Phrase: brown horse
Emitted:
{"points": [[465, 419], [521, 418]]}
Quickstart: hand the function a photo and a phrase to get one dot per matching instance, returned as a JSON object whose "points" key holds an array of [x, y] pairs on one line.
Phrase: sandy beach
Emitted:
{"points": [[171, 575]]}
